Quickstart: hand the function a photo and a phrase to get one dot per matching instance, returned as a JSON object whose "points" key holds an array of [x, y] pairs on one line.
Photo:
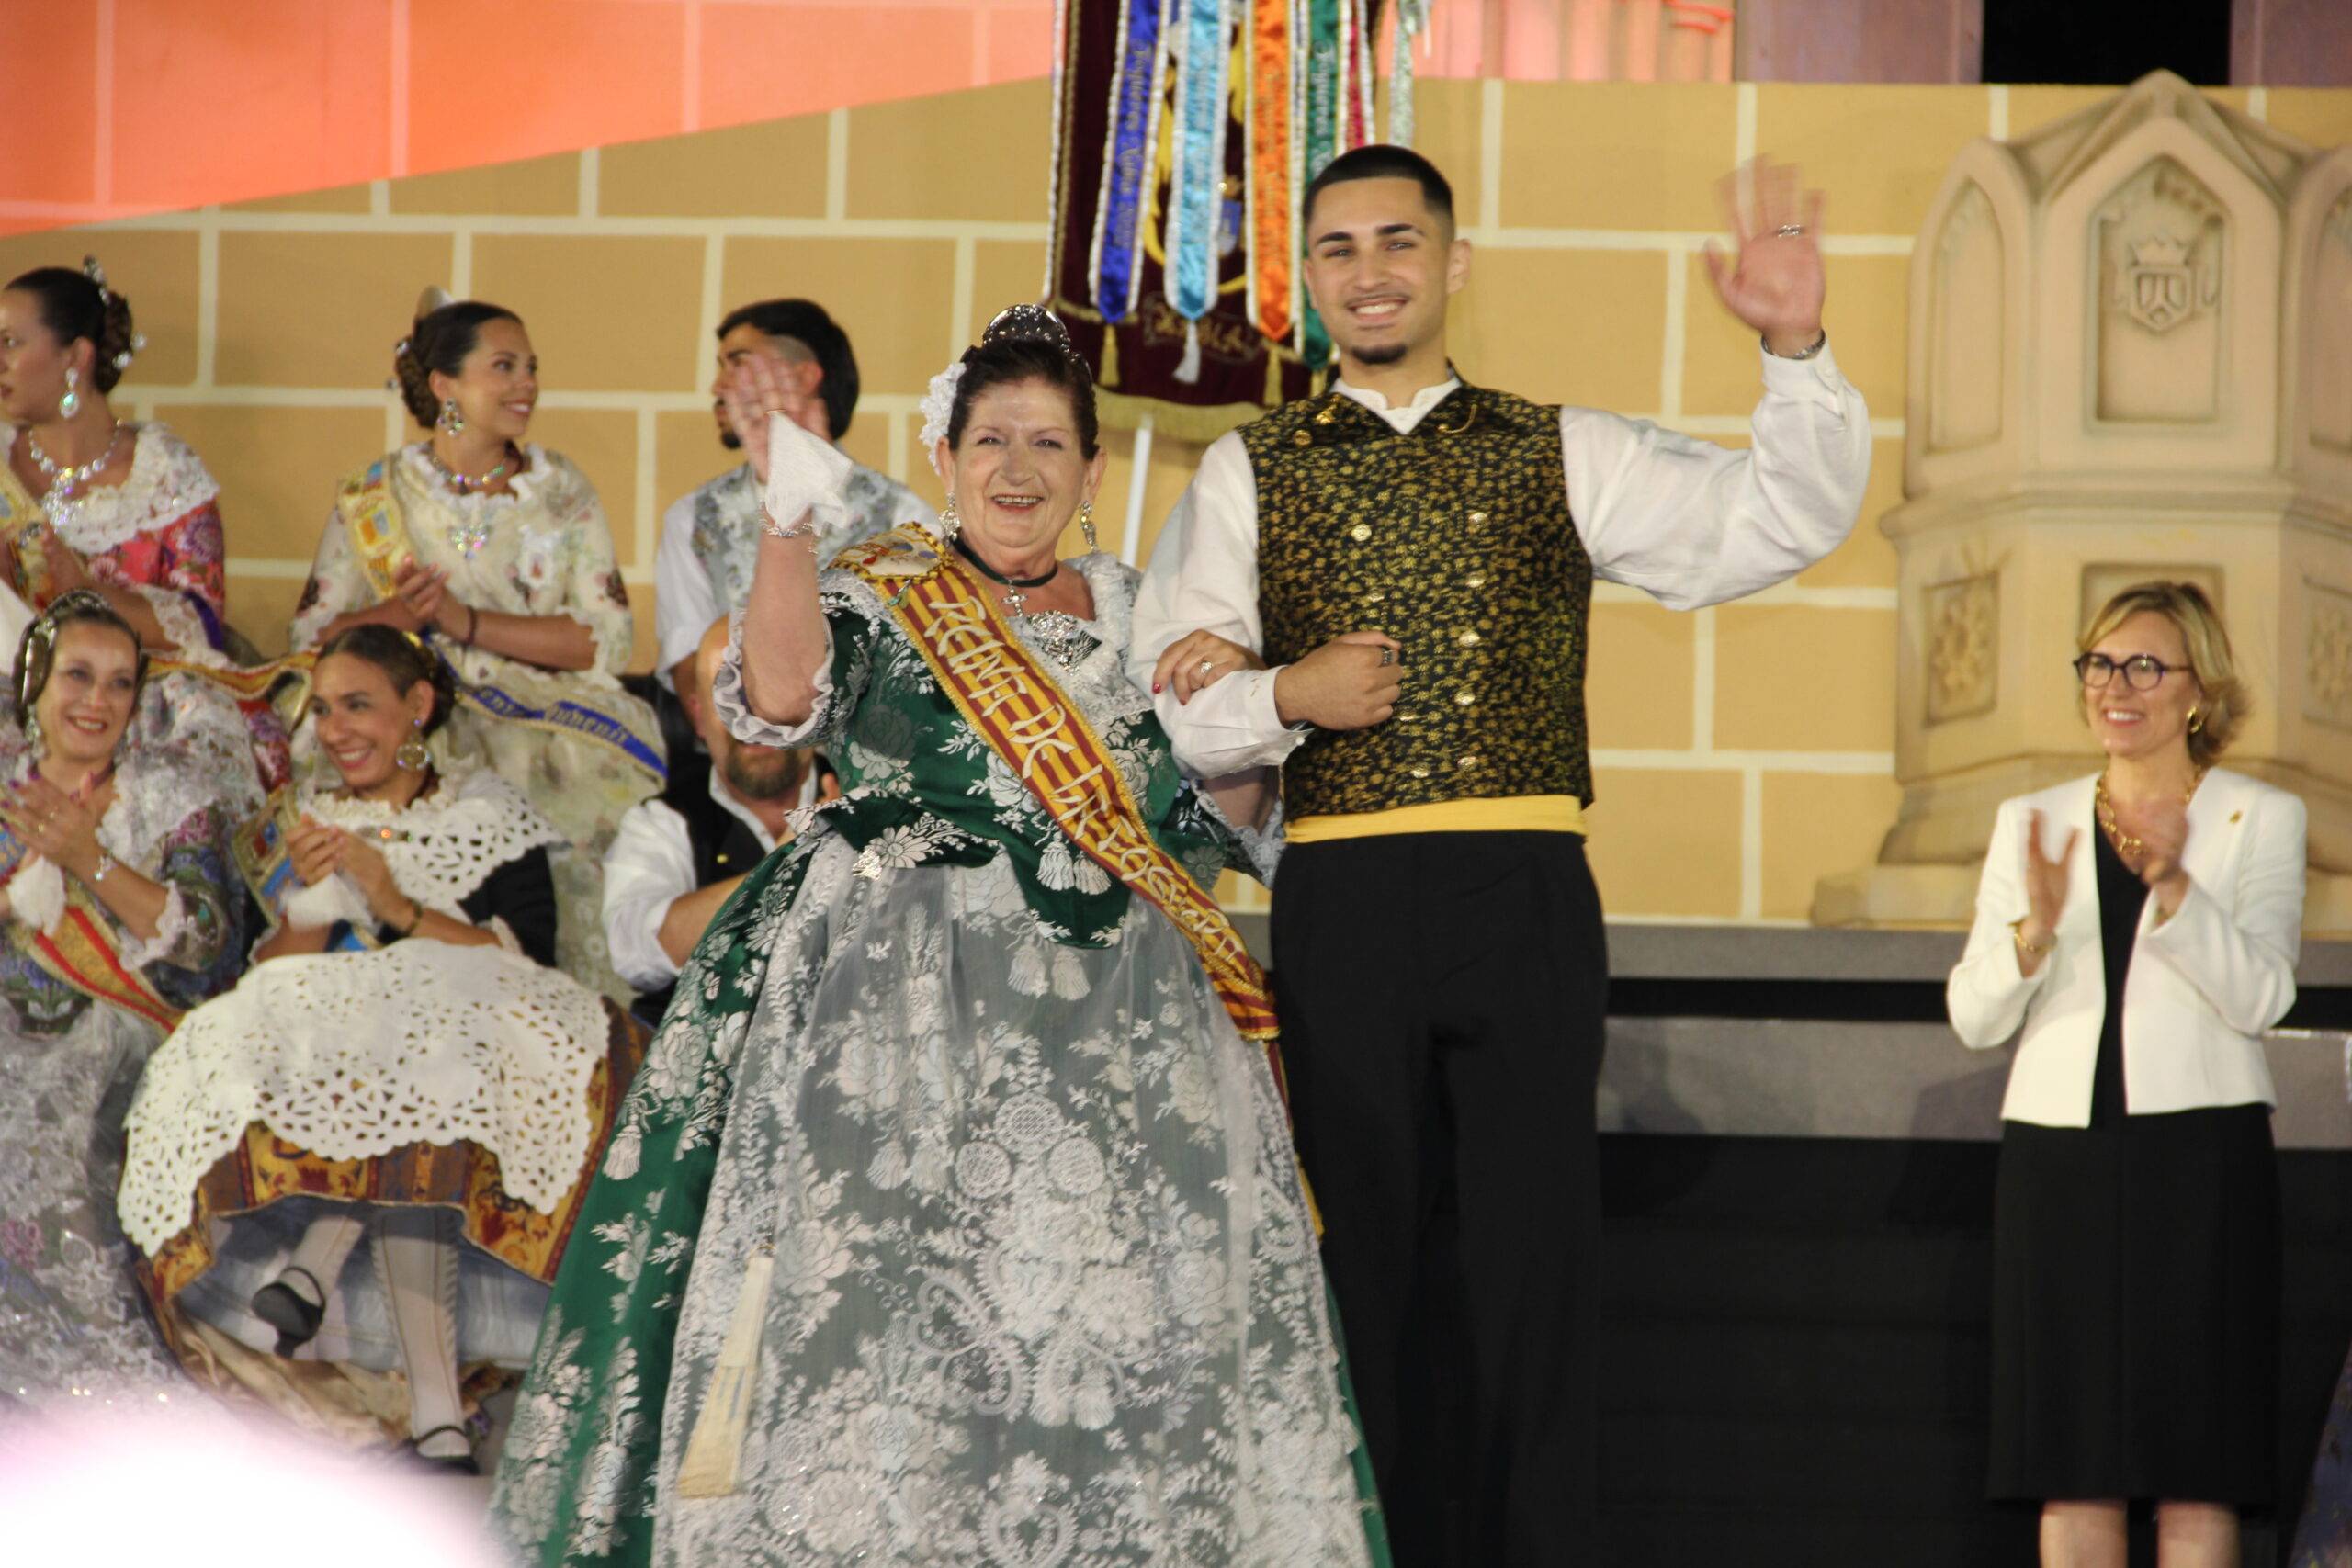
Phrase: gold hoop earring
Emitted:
{"points": [[412, 754], [1086, 524], [2195, 723]]}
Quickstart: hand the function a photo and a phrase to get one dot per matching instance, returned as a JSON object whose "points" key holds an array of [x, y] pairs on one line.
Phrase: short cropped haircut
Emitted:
{"points": [[1380, 161]]}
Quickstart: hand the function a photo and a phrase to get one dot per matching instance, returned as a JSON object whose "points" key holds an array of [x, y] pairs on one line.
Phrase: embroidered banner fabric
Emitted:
{"points": [[1185, 133]]}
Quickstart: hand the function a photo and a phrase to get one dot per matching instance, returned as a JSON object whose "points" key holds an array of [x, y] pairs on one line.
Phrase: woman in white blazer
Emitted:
{"points": [[2136, 931]]}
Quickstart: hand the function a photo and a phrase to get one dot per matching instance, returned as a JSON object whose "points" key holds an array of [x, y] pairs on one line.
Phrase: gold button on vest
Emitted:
{"points": [[1456, 539]]}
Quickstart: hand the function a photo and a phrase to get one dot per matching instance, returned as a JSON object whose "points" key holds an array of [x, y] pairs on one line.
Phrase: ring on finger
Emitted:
{"points": [[1789, 231], [1207, 665], [1387, 656]]}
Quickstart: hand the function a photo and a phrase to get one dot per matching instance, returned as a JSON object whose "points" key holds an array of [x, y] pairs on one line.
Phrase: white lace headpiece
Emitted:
{"points": [[938, 406]]}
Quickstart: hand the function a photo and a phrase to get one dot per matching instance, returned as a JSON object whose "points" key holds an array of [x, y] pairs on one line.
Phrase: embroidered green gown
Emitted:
{"points": [[1046, 1288]]}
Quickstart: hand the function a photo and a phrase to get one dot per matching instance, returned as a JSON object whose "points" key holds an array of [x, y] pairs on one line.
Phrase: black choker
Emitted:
{"points": [[992, 574]]}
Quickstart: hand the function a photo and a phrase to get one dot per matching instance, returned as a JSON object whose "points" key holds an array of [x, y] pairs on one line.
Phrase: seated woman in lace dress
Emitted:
{"points": [[402, 1064], [955, 1218], [496, 550], [119, 910], [121, 508]]}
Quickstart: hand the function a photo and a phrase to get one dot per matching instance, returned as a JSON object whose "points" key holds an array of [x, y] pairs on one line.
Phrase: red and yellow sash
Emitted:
{"points": [[1016, 707], [83, 953]]}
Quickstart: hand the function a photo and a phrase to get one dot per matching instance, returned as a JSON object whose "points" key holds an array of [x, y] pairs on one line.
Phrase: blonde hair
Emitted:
{"points": [[2222, 701]]}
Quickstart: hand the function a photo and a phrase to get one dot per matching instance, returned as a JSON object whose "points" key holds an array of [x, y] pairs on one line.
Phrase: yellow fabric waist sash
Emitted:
{"points": [[1512, 814]]}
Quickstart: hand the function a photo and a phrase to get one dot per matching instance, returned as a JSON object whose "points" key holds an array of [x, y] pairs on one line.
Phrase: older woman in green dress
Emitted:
{"points": [[955, 1218]]}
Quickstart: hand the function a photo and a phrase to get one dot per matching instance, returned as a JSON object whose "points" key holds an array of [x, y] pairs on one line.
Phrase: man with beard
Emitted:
{"points": [[702, 568], [1383, 591], [677, 857]]}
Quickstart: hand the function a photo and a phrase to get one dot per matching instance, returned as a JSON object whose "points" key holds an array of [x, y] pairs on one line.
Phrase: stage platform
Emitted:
{"points": [[1797, 1164], [1798, 1171]]}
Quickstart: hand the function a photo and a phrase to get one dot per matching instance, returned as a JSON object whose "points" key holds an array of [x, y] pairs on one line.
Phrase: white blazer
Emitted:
{"points": [[2203, 985]]}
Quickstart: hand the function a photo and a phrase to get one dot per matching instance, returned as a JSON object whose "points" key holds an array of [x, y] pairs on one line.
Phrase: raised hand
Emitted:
{"points": [[1198, 660], [1775, 283], [1351, 682], [760, 385]]}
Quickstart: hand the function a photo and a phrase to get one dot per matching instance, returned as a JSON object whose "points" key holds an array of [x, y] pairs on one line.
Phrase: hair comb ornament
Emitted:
{"points": [[97, 275], [1026, 322]]}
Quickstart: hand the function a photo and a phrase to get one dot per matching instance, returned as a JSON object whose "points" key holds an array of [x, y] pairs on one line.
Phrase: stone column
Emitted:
{"points": [[2131, 356]]}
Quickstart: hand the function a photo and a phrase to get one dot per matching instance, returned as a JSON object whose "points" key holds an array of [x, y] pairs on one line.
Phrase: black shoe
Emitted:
{"points": [[453, 1464], [282, 1307]]}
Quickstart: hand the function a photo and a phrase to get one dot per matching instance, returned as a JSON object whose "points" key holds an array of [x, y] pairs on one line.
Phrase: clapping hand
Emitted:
{"points": [[2161, 827], [315, 848], [2045, 882], [66, 569], [61, 829], [1775, 284]]}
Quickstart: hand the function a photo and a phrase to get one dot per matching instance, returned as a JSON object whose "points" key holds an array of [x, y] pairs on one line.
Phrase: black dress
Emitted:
{"points": [[2135, 1285]]}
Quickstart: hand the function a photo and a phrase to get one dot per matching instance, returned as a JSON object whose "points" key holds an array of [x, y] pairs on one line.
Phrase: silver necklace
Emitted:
{"points": [[467, 484], [65, 479]]}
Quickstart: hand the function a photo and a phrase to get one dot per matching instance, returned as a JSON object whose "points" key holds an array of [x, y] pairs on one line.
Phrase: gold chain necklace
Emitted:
{"points": [[2125, 844]]}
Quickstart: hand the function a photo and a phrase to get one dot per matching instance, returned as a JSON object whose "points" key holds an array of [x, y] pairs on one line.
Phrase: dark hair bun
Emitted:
{"points": [[444, 332], [77, 305]]}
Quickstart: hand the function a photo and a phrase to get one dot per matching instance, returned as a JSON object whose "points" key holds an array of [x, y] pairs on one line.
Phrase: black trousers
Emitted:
{"points": [[1442, 999]]}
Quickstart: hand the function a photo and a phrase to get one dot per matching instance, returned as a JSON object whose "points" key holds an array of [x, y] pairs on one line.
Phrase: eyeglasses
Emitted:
{"points": [[2142, 672]]}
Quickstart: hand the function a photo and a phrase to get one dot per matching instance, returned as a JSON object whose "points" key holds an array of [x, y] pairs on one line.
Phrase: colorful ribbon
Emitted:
{"points": [[1137, 89], [1273, 229], [1203, 83]]}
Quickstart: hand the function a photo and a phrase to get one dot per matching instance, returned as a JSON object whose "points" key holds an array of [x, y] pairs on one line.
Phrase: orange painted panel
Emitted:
{"points": [[1020, 44], [489, 83], [762, 62], [223, 99], [55, 134]]}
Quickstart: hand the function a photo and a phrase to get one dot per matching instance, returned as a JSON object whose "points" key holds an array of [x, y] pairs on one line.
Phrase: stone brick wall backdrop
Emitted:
{"points": [[1743, 751]]}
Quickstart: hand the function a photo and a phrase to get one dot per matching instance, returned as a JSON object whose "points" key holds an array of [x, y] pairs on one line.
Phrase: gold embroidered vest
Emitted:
{"points": [[1456, 539]]}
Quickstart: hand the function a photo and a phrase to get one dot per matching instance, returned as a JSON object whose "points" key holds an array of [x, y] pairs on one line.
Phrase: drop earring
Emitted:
{"points": [[452, 420], [70, 403], [1086, 524], [412, 754], [949, 524], [33, 737]]}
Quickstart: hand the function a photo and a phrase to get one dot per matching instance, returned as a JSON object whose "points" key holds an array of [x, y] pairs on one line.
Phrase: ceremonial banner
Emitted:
{"points": [[1186, 132]]}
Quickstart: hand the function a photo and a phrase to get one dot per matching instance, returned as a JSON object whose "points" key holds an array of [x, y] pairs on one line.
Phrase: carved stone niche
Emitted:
{"points": [[2131, 357]]}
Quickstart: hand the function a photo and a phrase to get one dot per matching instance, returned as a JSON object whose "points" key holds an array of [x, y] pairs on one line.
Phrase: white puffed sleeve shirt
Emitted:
{"points": [[1686, 520]]}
